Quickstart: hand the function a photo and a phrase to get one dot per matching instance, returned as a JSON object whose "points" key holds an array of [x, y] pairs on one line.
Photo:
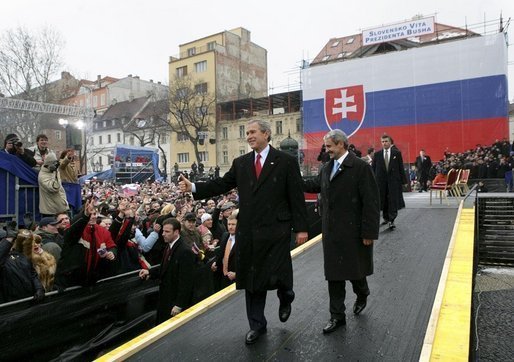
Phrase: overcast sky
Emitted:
{"points": [[121, 37]]}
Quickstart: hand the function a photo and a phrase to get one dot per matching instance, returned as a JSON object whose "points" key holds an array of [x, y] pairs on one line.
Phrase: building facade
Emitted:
{"points": [[227, 66]]}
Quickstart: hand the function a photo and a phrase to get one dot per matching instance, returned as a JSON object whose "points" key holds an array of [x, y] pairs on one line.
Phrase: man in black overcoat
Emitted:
{"points": [[423, 165], [350, 224], [175, 273], [390, 175], [271, 205]]}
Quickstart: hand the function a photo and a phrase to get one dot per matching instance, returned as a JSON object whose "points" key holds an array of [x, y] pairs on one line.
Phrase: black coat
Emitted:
{"points": [[176, 280], [423, 166], [269, 208], [390, 181], [225, 282], [350, 214]]}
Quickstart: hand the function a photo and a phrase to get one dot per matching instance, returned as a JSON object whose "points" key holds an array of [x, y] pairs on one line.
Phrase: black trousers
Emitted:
{"points": [[337, 294], [256, 302], [387, 212]]}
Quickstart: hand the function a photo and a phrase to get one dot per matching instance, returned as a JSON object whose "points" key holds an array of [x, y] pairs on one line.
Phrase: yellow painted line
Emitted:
{"points": [[448, 331], [137, 344]]}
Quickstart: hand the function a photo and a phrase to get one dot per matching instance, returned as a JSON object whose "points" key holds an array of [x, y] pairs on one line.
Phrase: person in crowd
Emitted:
{"points": [[52, 197], [51, 240], [67, 169], [423, 166], [88, 253], [175, 273], [216, 171], [14, 146], [355, 151], [122, 232], [390, 175], [104, 221], [323, 156], [226, 207], [350, 223], [43, 262], [226, 260], [199, 212], [40, 150], [18, 278], [271, 205], [63, 222]]}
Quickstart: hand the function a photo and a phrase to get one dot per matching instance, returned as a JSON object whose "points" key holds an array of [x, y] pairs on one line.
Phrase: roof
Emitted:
{"points": [[125, 109], [348, 47]]}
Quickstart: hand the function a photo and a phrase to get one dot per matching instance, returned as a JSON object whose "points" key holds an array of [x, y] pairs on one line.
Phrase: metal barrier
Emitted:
{"points": [[17, 198]]}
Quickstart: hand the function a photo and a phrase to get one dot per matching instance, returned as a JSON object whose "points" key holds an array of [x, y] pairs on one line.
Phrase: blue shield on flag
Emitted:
{"points": [[345, 108]]}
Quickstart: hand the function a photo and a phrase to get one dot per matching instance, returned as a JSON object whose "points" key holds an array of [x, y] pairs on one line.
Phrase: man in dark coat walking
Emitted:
{"points": [[423, 165], [390, 175], [175, 273], [271, 204], [350, 224]]}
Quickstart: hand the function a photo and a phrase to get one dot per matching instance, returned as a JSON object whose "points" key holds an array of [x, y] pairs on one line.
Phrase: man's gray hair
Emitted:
{"points": [[264, 126], [337, 136]]}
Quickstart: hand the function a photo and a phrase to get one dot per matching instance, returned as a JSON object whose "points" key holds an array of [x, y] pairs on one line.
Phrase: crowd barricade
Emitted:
{"points": [[80, 322]]}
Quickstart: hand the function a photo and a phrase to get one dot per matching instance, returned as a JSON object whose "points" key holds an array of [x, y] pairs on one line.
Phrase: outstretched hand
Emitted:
{"points": [[184, 184]]}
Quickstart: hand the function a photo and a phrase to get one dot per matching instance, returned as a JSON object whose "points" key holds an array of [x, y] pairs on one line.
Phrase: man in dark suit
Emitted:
{"points": [[350, 222], [271, 204], [423, 165], [225, 262], [390, 175], [175, 273]]}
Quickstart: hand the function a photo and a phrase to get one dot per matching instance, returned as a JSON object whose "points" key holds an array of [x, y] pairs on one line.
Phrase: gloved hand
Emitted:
{"points": [[39, 295]]}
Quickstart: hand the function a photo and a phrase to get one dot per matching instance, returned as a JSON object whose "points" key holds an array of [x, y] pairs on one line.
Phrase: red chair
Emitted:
{"points": [[463, 182], [445, 187]]}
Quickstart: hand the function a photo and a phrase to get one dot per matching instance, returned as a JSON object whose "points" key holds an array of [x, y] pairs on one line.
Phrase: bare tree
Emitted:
{"points": [[191, 108], [27, 63]]}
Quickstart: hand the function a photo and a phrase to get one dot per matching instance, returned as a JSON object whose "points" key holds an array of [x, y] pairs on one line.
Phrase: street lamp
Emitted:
{"points": [[64, 122]]}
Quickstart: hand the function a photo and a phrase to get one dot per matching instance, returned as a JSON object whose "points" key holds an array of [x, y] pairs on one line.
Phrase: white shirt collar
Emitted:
{"points": [[173, 242], [341, 159], [263, 153]]}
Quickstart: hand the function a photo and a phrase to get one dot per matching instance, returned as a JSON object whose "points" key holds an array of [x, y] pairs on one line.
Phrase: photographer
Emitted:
{"points": [[13, 146], [40, 151], [52, 198]]}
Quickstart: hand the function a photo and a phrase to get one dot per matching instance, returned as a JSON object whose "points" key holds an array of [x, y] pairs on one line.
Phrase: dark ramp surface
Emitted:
{"points": [[408, 263]]}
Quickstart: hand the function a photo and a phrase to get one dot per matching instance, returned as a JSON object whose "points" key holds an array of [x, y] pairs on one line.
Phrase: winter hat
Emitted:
{"points": [[206, 217]]}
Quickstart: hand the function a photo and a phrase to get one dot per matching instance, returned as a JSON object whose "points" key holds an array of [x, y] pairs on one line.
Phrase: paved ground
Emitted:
{"points": [[408, 264]]}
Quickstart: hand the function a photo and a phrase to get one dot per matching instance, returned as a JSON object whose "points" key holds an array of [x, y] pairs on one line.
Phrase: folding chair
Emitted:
{"points": [[444, 187]]}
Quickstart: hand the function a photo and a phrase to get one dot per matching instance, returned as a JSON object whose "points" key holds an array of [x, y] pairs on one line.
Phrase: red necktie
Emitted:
{"points": [[258, 166]]}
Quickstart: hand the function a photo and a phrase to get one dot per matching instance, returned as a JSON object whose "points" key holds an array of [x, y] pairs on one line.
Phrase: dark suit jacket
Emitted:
{"points": [[423, 166], [269, 208], [390, 180], [350, 214], [176, 280]]}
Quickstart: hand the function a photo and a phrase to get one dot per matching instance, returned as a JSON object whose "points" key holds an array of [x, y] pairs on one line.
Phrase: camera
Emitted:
{"points": [[53, 166]]}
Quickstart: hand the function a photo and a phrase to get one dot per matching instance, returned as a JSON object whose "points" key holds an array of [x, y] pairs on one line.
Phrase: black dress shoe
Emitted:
{"points": [[385, 222], [253, 335], [284, 312], [392, 226], [359, 305], [333, 324]]}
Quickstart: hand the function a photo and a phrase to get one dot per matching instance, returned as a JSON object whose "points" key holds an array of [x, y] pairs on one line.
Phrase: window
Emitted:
{"points": [[108, 138], [349, 41], [204, 156], [242, 151], [225, 157], [201, 88], [92, 141], [278, 127], [58, 135], [340, 55], [183, 157], [181, 137], [299, 125], [211, 45], [336, 43], [201, 111], [102, 99], [108, 123], [326, 57], [224, 133], [182, 71], [242, 133], [104, 124], [191, 52], [181, 93], [100, 161], [95, 101], [131, 140], [118, 137], [201, 67], [99, 140], [164, 139]]}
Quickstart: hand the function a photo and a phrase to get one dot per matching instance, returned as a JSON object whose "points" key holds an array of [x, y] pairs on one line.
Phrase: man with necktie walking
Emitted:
{"points": [[271, 204], [350, 221], [390, 175]]}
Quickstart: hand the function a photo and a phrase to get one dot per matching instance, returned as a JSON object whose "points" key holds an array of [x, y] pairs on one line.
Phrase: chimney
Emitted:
{"points": [[158, 82], [65, 75], [99, 80], [130, 75], [151, 80], [136, 77]]}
